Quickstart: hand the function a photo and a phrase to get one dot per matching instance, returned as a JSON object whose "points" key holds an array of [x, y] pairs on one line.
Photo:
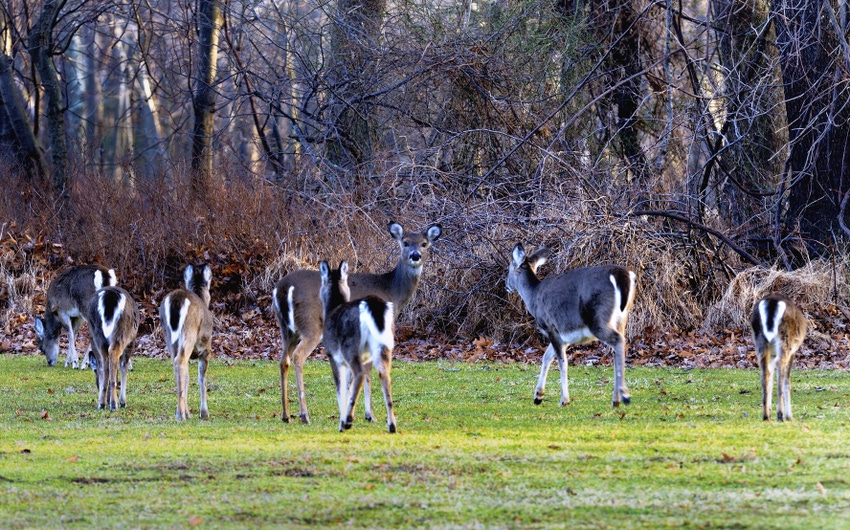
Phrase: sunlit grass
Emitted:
{"points": [[472, 451]]}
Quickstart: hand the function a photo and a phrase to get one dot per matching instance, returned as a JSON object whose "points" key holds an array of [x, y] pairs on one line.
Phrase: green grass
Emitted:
{"points": [[472, 451]]}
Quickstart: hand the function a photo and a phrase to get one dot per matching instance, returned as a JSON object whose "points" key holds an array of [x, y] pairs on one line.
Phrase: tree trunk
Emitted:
{"points": [[25, 145], [816, 104], [355, 30], [41, 52], [209, 24]]}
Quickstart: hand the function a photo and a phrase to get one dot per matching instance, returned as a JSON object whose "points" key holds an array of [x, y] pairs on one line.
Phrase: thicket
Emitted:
{"points": [[253, 232]]}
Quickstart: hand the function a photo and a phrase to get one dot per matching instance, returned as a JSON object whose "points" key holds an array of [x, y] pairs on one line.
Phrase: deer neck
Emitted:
{"points": [[402, 282]]}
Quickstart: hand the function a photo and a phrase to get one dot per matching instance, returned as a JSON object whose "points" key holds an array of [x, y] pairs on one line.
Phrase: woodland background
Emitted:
{"points": [[702, 143]]}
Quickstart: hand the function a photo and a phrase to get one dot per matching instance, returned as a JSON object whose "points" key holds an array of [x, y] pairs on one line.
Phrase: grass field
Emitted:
{"points": [[472, 451]]}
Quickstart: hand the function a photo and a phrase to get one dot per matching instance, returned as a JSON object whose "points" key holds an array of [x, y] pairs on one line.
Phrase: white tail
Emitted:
{"points": [[67, 299], [187, 324], [579, 306], [357, 335], [299, 311], [113, 318], [779, 328]]}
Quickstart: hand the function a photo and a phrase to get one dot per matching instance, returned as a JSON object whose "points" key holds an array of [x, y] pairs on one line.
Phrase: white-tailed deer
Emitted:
{"points": [[187, 324], [298, 308], [67, 298], [113, 318], [357, 335], [779, 328], [579, 306]]}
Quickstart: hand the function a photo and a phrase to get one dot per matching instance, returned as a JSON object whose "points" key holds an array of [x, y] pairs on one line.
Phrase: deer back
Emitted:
{"points": [[113, 317]]}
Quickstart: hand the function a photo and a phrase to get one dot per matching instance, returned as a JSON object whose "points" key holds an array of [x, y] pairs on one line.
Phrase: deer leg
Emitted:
{"points": [[548, 357], [202, 385], [101, 380], [81, 362], [285, 363], [181, 375], [300, 354], [71, 357], [112, 379], [787, 370], [766, 383], [356, 386], [341, 380], [561, 356], [384, 367], [367, 391], [125, 361]]}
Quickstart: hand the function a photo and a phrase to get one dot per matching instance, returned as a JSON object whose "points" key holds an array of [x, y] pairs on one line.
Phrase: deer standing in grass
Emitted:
{"points": [[579, 306], [113, 318], [779, 328], [357, 335], [67, 299], [298, 308], [187, 324]]}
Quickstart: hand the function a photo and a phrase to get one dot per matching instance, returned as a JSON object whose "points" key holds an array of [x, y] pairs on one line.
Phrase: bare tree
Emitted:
{"points": [[209, 20]]}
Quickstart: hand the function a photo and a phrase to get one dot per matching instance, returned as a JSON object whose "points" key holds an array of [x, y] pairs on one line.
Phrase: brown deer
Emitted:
{"points": [[187, 324], [579, 306], [357, 335], [67, 299], [298, 308], [779, 328], [113, 318]]}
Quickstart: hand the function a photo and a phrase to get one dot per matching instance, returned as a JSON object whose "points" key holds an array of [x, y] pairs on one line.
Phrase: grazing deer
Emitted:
{"points": [[187, 324], [113, 318], [298, 308], [357, 335], [779, 328], [579, 306], [67, 299]]}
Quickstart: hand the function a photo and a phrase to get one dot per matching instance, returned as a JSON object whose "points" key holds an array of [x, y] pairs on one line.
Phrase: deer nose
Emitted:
{"points": [[415, 257]]}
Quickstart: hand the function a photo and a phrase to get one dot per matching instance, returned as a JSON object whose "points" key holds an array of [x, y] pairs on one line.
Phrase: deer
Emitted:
{"points": [[298, 309], [358, 334], [67, 299], [187, 324], [113, 318], [579, 306], [779, 328]]}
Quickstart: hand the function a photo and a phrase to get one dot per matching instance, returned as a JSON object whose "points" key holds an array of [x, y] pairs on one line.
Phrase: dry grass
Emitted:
{"points": [[253, 232], [814, 287]]}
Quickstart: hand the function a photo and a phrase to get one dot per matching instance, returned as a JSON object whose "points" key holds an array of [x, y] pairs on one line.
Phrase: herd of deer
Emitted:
{"points": [[353, 315]]}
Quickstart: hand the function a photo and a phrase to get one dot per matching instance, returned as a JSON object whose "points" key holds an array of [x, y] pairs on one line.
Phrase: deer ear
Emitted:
{"points": [[434, 232], [396, 231], [187, 276], [39, 327], [538, 258], [343, 270], [207, 274], [518, 255], [324, 271]]}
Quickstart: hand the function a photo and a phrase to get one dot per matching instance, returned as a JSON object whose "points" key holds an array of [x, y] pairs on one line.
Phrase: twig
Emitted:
{"points": [[686, 219]]}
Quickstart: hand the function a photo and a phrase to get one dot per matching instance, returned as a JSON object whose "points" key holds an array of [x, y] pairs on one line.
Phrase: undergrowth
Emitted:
{"points": [[252, 232]]}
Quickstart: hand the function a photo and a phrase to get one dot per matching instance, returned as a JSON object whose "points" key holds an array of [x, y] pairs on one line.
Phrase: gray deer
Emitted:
{"points": [[113, 318], [299, 311], [357, 335], [187, 324], [67, 298], [579, 306], [779, 328]]}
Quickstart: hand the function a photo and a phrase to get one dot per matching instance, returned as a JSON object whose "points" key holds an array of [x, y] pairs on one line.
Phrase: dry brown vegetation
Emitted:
{"points": [[692, 307]]}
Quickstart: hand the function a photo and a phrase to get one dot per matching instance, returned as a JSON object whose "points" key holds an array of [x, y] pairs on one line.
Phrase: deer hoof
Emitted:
{"points": [[627, 399], [303, 418], [538, 401], [392, 428]]}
